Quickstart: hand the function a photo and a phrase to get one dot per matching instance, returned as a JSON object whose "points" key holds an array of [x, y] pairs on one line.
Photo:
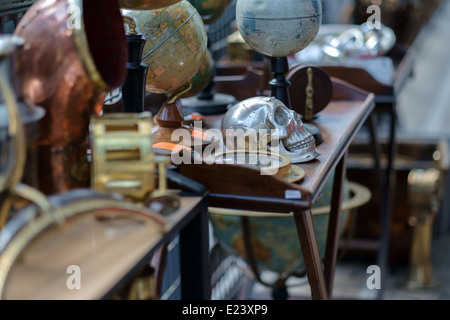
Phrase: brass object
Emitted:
{"points": [[75, 52], [269, 163], [123, 161], [131, 24], [310, 90], [424, 198], [146, 4], [309, 96], [163, 200], [122, 155], [142, 287]]}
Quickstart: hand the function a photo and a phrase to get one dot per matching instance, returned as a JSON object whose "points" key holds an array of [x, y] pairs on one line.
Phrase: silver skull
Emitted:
{"points": [[267, 114]]}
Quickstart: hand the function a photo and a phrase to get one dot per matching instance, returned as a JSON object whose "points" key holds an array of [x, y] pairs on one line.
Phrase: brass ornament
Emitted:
{"points": [[122, 155], [424, 198], [309, 95], [163, 200]]}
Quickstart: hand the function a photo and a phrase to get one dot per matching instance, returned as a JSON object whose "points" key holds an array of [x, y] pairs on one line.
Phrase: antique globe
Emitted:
{"points": [[278, 28], [203, 76], [210, 10], [176, 42], [146, 4]]}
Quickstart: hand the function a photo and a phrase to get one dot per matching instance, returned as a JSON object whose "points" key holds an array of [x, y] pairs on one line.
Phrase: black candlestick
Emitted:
{"points": [[133, 90]]}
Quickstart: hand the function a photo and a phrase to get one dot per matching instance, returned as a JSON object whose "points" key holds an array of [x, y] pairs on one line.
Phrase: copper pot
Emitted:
{"points": [[75, 52], [146, 4]]}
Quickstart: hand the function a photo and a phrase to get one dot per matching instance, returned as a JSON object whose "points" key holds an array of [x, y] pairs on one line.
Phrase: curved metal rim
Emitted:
{"points": [[285, 160], [82, 46], [15, 129]]}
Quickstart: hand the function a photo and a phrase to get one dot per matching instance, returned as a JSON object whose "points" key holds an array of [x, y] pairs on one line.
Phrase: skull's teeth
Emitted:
{"points": [[303, 144], [299, 146]]}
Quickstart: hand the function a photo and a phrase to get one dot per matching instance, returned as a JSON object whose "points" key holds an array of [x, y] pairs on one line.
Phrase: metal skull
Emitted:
{"points": [[281, 125]]}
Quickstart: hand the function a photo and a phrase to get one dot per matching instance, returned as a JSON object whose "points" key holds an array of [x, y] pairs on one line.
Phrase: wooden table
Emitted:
{"points": [[244, 188], [111, 253]]}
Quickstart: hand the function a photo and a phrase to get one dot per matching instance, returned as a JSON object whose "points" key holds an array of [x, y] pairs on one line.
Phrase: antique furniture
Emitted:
{"points": [[244, 188]]}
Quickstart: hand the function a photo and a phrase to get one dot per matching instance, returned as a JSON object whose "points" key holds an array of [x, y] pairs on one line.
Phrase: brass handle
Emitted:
{"points": [[131, 24], [174, 97]]}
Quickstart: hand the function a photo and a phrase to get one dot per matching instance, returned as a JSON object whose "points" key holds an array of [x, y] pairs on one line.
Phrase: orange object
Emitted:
{"points": [[199, 134], [170, 146]]}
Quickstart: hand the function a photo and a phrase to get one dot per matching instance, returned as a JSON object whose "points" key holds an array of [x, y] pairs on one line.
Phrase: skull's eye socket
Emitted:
{"points": [[281, 116]]}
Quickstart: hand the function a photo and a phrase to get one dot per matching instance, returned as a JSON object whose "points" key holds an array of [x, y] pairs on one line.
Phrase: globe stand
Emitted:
{"points": [[208, 102], [279, 66], [169, 119], [133, 89]]}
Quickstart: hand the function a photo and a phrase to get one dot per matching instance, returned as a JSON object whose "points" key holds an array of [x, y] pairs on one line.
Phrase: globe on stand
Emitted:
{"points": [[146, 4], [175, 46], [208, 102], [202, 78], [278, 29], [210, 10], [133, 88]]}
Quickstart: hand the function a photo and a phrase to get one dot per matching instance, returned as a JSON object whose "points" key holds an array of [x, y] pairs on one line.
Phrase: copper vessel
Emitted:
{"points": [[146, 4], [75, 52]]}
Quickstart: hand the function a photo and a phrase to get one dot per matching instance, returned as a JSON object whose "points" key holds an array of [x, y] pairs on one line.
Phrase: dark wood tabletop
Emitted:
{"points": [[243, 187]]}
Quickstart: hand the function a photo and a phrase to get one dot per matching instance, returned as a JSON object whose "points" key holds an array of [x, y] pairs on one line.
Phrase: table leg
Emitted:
{"points": [[311, 254], [376, 149], [333, 224], [386, 205], [194, 259]]}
